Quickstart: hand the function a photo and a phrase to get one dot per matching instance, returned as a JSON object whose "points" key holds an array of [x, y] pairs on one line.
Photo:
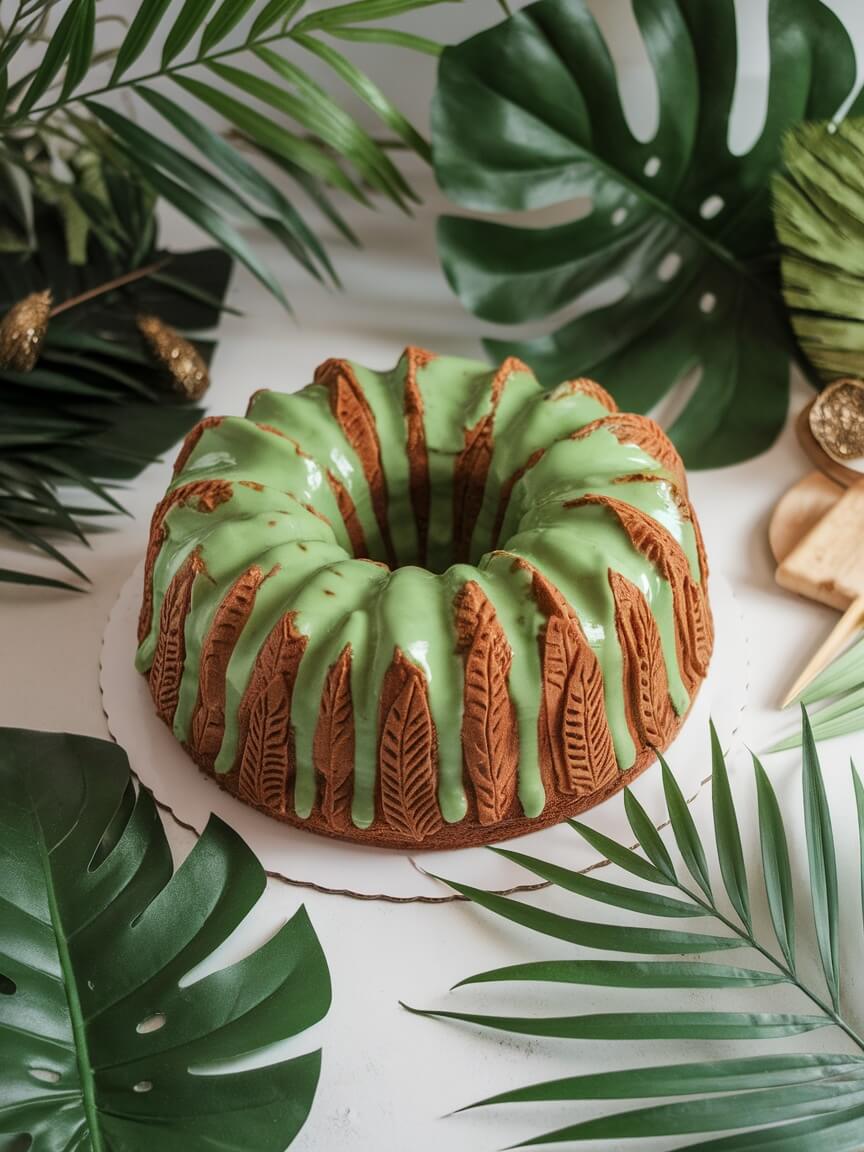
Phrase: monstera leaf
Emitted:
{"points": [[528, 114], [108, 1038]]}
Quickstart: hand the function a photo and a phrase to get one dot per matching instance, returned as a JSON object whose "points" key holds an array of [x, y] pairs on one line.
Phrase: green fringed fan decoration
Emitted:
{"points": [[819, 216]]}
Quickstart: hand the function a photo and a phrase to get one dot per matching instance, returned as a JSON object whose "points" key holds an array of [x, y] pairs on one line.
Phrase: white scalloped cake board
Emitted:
{"points": [[163, 766]]}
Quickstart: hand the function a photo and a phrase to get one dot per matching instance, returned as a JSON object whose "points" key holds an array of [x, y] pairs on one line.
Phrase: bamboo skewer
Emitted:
{"points": [[828, 565], [849, 623]]}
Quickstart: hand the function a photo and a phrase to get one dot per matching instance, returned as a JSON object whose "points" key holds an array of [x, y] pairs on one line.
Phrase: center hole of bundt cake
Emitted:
{"points": [[420, 490], [448, 534], [433, 559]]}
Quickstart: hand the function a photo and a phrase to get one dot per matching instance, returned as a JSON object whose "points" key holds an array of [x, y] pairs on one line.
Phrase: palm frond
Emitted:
{"points": [[795, 1101], [213, 54]]}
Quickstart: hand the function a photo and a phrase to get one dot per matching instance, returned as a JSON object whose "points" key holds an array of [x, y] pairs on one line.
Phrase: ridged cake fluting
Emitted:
{"points": [[430, 607]]}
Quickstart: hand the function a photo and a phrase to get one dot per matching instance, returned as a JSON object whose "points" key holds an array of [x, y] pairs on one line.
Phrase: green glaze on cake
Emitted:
{"points": [[577, 533]]}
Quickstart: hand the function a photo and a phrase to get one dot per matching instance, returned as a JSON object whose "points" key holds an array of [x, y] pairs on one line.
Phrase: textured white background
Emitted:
{"points": [[388, 1078]]}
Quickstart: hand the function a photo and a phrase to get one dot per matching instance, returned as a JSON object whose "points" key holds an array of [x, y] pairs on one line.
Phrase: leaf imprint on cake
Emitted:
{"points": [[627, 429], [573, 728], [407, 752], [333, 744], [352, 410], [205, 496], [701, 627], [700, 543], [547, 597], [693, 627], [166, 671], [646, 687], [208, 721], [490, 733], [507, 491], [574, 710], [266, 738], [471, 467], [417, 452]]}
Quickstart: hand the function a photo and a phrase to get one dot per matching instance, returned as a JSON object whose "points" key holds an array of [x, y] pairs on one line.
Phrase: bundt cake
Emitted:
{"points": [[434, 607]]}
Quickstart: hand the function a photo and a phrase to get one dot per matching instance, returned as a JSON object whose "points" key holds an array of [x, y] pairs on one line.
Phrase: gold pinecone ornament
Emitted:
{"points": [[22, 332], [179, 356]]}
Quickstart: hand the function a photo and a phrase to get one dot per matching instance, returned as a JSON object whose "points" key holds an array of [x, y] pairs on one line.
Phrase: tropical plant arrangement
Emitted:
{"points": [[69, 103], [528, 114], [110, 1037], [92, 401], [80, 179], [797, 1102]]}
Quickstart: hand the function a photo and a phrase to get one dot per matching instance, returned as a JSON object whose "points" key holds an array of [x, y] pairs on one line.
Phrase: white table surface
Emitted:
{"points": [[389, 1078]]}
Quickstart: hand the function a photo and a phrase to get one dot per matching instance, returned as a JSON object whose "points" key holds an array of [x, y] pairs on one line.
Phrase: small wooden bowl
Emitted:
{"points": [[817, 454]]}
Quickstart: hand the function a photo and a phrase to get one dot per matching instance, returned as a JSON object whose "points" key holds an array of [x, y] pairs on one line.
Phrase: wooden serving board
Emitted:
{"points": [[828, 563], [800, 509]]}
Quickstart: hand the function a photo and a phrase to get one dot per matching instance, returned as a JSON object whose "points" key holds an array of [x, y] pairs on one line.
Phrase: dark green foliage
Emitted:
{"points": [[528, 115], [103, 1040], [96, 409], [283, 114]]}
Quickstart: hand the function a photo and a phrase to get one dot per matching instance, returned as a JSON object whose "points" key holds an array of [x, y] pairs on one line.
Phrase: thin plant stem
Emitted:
{"points": [[110, 285], [12, 25], [158, 73], [505, 7], [747, 936]]}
